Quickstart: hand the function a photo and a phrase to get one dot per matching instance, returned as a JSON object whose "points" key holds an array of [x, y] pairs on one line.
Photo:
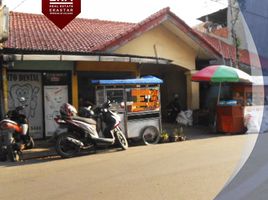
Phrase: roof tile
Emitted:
{"points": [[35, 32], [227, 50]]}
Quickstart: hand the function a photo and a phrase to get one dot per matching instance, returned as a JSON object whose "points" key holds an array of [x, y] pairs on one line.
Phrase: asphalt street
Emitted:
{"points": [[193, 169]]}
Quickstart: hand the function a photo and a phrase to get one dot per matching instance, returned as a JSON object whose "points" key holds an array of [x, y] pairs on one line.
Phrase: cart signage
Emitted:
{"points": [[61, 12]]}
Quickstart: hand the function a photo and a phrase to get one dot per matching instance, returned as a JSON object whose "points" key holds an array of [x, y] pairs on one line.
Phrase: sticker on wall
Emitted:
{"points": [[61, 12]]}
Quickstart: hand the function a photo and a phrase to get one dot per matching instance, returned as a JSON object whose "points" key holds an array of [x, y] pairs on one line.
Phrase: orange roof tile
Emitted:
{"points": [[33, 32], [227, 50]]}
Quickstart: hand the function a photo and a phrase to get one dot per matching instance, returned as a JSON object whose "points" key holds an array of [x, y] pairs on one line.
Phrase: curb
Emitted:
{"points": [[42, 149]]}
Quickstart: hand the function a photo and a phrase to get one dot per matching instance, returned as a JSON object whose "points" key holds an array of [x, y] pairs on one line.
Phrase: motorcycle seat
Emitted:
{"points": [[86, 120]]}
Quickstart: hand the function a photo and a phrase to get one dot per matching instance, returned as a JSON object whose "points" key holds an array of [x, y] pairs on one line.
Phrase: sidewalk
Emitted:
{"points": [[195, 132], [44, 148]]}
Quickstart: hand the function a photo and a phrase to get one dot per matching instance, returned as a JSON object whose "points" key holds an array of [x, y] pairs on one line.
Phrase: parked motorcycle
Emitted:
{"points": [[78, 133], [14, 134]]}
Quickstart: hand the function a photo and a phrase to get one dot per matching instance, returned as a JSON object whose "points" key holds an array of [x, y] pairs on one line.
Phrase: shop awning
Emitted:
{"points": [[137, 81]]}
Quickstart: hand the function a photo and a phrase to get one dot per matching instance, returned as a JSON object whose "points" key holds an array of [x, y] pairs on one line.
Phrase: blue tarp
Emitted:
{"points": [[138, 81]]}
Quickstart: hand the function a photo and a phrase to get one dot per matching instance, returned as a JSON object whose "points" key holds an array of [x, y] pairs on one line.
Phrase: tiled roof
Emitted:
{"points": [[150, 23], [227, 50], [33, 32], [142, 26]]}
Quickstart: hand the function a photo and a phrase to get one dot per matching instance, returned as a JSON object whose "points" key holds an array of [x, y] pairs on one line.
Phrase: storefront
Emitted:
{"points": [[45, 92]]}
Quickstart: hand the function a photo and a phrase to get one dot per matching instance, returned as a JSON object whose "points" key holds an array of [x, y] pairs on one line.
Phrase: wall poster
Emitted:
{"points": [[54, 97], [29, 86]]}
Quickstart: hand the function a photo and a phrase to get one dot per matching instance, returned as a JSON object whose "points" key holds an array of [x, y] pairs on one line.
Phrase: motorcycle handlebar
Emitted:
{"points": [[107, 104]]}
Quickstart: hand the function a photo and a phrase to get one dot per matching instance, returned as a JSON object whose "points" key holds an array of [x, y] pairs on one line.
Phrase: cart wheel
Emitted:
{"points": [[150, 135]]}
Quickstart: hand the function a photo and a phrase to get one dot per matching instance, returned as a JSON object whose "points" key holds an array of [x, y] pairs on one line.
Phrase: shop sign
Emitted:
{"points": [[61, 12]]}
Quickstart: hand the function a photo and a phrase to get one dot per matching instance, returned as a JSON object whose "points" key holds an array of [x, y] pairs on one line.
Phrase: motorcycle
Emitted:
{"points": [[83, 132], [14, 134]]}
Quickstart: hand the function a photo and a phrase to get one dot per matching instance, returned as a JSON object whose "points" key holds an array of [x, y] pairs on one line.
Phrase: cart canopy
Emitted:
{"points": [[137, 81]]}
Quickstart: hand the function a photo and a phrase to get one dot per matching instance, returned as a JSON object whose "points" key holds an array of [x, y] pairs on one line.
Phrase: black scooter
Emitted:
{"points": [[78, 133]]}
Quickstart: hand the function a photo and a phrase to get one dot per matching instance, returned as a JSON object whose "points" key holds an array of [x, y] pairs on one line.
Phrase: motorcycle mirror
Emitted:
{"points": [[108, 104]]}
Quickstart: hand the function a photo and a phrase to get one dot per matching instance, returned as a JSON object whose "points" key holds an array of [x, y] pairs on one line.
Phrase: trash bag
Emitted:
{"points": [[185, 118], [251, 124]]}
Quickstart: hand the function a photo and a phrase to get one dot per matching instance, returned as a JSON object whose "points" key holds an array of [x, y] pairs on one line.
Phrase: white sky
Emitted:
{"points": [[129, 10]]}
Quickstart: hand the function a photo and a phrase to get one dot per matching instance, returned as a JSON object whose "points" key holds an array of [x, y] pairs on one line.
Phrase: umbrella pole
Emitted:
{"points": [[219, 94], [218, 100]]}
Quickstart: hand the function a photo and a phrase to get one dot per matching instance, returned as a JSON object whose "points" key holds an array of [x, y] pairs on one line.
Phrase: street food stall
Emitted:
{"points": [[137, 101], [229, 113]]}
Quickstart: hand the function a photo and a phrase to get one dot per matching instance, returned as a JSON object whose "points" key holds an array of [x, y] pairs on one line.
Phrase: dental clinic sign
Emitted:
{"points": [[61, 12]]}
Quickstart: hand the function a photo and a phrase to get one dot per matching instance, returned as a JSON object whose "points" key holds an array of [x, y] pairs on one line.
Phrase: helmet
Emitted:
{"points": [[68, 110]]}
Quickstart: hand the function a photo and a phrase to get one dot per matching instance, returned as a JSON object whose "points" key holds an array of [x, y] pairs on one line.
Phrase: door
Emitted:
{"points": [[54, 97], [55, 94]]}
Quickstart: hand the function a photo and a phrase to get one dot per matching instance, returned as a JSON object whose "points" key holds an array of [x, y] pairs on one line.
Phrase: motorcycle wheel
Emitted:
{"points": [[66, 148], [150, 135], [121, 139], [13, 155]]}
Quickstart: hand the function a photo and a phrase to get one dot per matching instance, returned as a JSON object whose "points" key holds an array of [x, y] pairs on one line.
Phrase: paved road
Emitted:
{"points": [[194, 169]]}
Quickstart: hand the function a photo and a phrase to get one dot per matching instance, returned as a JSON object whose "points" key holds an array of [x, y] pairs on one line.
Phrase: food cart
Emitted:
{"points": [[231, 113], [137, 101]]}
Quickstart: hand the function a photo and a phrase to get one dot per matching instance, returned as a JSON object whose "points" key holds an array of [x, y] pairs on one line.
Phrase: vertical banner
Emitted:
{"points": [[54, 97], [61, 12], [27, 85]]}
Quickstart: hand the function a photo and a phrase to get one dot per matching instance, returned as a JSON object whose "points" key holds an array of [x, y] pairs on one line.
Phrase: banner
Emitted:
{"points": [[61, 12]]}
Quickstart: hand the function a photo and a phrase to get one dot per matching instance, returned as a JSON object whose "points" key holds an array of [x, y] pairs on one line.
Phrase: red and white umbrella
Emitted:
{"points": [[221, 74]]}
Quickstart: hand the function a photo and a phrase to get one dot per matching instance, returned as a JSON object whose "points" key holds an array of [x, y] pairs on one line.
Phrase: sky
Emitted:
{"points": [[129, 10]]}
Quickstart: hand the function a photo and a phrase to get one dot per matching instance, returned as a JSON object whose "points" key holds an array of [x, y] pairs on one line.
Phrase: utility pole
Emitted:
{"points": [[234, 13]]}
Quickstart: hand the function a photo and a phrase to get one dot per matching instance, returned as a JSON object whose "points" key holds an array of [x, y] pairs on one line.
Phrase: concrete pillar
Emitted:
{"points": [[5, 89], [192, 91], [74, 90]]}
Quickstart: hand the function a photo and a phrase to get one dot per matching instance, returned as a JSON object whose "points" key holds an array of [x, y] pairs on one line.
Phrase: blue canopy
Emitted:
{"points": [[138, 81]]}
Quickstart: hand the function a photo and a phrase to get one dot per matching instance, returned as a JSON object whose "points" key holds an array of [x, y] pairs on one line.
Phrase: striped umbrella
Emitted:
{"points": [[220, 74]]}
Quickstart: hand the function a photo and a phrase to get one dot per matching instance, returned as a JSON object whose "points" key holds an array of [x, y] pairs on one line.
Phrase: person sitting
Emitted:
{"points": [[238, 98], [174, 108]]}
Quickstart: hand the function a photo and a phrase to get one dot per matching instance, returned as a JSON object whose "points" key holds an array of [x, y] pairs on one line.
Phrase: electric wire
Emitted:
{"points": [[18, 5]]}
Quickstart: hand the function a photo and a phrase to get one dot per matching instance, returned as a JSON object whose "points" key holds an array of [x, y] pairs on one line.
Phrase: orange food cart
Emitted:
{"points": [[230, 113], [137, 101]]}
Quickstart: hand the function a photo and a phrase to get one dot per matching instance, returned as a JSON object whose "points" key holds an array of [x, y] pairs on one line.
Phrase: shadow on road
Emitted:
{"points": [[51, 155], [45, 151]]}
